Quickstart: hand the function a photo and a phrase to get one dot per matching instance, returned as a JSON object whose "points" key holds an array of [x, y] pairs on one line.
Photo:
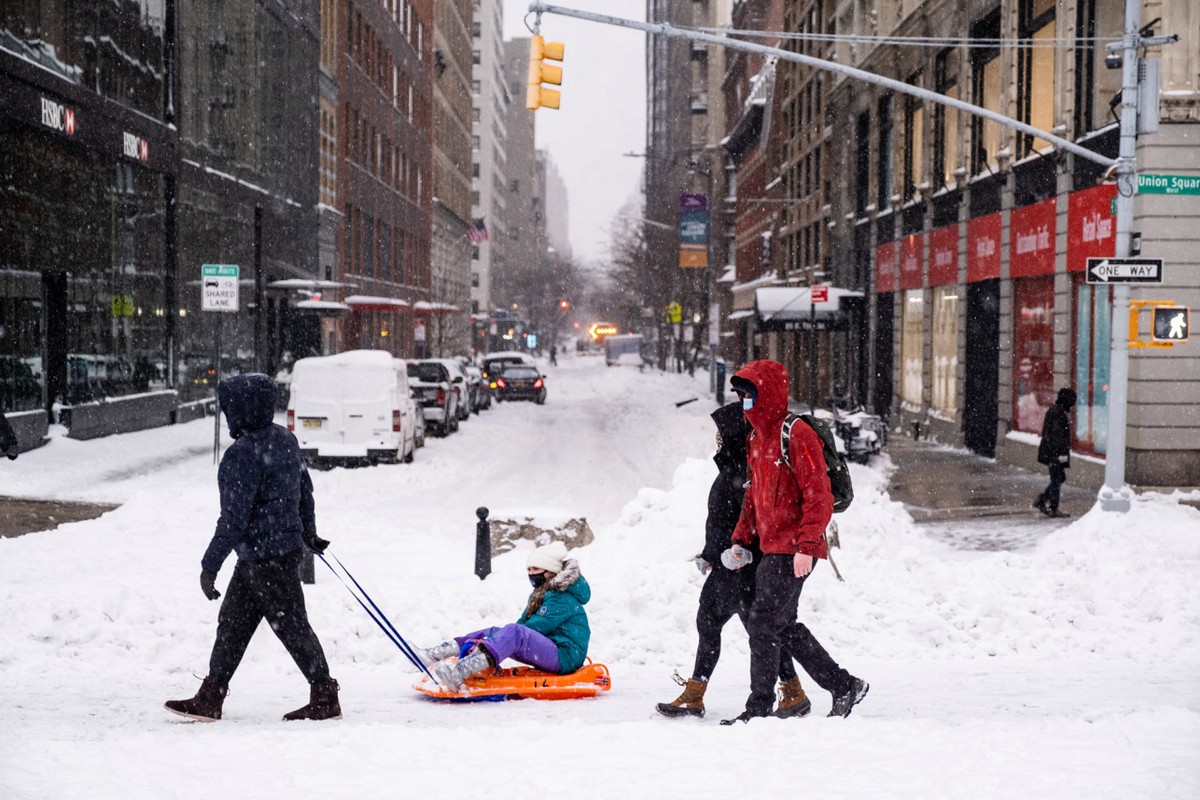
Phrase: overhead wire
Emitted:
{"points": [[914, 41]]}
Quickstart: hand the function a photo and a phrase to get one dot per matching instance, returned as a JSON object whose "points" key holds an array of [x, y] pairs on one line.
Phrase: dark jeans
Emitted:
{"points": [[267, 588], [726, 593], [1058, 476], [773, 627]]}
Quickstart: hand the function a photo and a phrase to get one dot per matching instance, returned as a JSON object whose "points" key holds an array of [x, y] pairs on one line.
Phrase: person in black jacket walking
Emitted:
{"points": [[9, 445], [727, 592], [267, 518], [1055, 451]]}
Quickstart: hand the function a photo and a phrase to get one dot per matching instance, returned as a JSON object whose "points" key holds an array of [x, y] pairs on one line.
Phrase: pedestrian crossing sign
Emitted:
{"points": [[1170, 324]]}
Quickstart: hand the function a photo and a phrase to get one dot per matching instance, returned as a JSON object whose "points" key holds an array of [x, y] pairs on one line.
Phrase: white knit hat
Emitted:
{"points": [[550, 557]]}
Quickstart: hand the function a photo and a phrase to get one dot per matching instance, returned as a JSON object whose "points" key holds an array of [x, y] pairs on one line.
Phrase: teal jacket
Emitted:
{"points": [[561, 617]]}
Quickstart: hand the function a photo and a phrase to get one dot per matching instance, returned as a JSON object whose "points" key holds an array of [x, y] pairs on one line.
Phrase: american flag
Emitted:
{"points": [[477, 233]]}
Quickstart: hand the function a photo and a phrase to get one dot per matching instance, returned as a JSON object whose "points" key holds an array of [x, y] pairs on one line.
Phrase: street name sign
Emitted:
{"points": [[219, 287], [1168, 184], [1124, 270]]}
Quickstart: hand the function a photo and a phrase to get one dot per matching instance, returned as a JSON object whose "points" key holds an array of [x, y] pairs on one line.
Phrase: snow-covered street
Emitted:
{"points": [[1065, 670]]}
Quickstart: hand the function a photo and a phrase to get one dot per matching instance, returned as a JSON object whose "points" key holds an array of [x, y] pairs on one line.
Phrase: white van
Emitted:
{"points": [[625, 349], [355, 405]]}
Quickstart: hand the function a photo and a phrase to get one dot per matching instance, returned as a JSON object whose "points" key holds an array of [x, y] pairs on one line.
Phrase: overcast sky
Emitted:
{"points": [[603, 114]]}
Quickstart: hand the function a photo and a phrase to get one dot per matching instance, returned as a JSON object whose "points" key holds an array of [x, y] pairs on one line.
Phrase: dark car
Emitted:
{"points": [[521, 382]]}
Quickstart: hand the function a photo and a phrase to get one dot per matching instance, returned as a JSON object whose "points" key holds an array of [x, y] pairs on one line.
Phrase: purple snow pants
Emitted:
{"points": [[516, 641]]}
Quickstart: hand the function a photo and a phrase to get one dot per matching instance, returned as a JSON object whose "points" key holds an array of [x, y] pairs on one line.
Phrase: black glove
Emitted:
{"points": [[208, 585], [12, 452], [316, 543]]}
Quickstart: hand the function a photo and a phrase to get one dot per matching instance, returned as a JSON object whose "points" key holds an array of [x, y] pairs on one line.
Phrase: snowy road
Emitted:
{"points": [[1064, 670]]}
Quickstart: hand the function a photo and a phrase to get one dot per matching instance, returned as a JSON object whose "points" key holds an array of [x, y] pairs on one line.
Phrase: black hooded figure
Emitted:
{"points": [[9, 445], [267, 518], [1055, 451], [727, 592]]}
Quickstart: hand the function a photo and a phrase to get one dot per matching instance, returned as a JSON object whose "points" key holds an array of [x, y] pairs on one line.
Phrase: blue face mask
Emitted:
{"points": [[537, 580], [747, 403]]}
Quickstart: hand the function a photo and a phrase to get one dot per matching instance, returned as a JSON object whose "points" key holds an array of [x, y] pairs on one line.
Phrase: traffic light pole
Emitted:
{"points": [[1115, 495]]}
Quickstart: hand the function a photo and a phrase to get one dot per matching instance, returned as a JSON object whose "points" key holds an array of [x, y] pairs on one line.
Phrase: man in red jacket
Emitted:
{"points": [[787, 510]]}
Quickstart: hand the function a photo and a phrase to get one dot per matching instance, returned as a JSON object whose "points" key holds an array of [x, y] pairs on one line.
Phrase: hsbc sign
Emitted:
{"points": [[58, 117], [134, 146]]}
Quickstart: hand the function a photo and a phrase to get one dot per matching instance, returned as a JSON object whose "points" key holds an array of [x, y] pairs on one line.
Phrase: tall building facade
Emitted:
{"points": [[489, 174], [970, 240], [451, 328], [385, 174]]}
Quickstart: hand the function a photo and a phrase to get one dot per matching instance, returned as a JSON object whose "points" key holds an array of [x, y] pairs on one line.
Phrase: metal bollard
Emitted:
{"points": [[483, 544]]}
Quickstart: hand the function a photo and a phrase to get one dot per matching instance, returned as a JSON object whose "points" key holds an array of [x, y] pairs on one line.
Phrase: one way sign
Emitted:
{"points": [[1124, 270]]}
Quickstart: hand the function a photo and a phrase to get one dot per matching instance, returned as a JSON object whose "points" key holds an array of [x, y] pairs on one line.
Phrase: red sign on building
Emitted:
{"points": [[943, 255], [1091, 226], [1031, 239], [912, 251], [885, 267], [983, 248]]}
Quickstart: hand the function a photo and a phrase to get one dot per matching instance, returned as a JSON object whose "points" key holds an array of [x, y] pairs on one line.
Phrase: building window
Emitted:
{"points": [[883, 197], [945, 349], [1093, 333], [862, 163], [945, 118], [474, 170], [1033, 351], [912, 347], [475, 58], [1085, 66], [1035, 71], [985, 92], [914, 141]]}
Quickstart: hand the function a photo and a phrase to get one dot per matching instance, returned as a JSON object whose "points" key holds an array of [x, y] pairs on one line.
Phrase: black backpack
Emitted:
{"points": [[835, 465]]}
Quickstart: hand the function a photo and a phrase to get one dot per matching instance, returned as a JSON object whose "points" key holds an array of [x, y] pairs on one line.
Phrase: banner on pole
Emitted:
{"points": [[693, 230]]}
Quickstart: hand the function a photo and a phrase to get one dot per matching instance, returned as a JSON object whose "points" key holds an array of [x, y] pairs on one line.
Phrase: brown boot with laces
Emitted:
{"points": [[688, 704], [793, 702]]}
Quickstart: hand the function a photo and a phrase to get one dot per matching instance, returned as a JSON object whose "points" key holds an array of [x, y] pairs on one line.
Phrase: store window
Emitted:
{"points": [[912, 344], [1093, 334], [1033, 351], [945, 349]]}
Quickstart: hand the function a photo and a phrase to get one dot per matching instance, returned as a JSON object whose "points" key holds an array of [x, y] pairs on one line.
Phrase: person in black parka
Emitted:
{"points": [[267, 518], [1055, 451], [727, 592]]}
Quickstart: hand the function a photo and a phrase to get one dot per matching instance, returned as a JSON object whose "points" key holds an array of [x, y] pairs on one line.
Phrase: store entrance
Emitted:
{"points": [[54, 349], [884, 353], [981, 411]]}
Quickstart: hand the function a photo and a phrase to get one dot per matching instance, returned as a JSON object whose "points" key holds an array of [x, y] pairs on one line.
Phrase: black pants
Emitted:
{"points": [[726, 593], [773, 627], [1058, 476], [267, 588]]}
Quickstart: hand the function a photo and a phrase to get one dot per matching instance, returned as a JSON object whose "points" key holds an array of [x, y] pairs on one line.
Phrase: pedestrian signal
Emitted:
{"points": [[536, 95], [1171, 324]]}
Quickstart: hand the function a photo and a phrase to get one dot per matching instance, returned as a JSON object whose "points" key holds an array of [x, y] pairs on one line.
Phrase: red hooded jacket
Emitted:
{"points": [[788, 509]]}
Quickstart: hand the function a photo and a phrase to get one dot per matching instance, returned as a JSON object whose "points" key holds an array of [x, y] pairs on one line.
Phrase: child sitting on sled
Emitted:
{"points": [[551, 635]]}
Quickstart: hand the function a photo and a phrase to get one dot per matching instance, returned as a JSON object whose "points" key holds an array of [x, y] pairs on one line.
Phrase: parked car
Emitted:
{"points": [[521, 382], [493, 364], [460, 383], [434, 392], [481, 391], [352, 406]]}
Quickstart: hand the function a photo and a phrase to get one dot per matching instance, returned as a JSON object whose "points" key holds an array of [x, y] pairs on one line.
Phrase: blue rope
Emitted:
{"points": [[378, 616]]}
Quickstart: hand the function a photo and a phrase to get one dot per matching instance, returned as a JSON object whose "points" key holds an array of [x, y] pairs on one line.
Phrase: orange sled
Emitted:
{"points": [[514, 683]]}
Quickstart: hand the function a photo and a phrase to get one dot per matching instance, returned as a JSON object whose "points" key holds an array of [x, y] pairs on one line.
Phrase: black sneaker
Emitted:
{"points": [[1040, 505], [843, 704]]}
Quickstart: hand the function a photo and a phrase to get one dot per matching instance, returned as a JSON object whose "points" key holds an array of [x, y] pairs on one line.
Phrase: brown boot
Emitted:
{"points": [[793, 702], [322, 703], [688, 704], [205, 706]]}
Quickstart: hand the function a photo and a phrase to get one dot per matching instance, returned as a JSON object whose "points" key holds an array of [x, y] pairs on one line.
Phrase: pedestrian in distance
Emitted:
{"points": [[786, 510], [8, 439], [1055, 451], [552, 633], [727, 592], [267, 518]]}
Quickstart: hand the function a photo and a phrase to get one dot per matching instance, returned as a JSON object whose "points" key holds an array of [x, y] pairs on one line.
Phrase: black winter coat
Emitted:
{"points": [[266, 493], [727, 491], [1056, 437], [8, 438]]}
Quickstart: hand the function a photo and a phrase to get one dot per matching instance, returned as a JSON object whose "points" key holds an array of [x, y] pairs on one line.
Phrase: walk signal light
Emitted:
{"points": [[536, 95]]}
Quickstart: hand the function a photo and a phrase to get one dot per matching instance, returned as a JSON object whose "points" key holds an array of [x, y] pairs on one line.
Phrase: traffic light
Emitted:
{"points": [[564, 304], [539, 72]]}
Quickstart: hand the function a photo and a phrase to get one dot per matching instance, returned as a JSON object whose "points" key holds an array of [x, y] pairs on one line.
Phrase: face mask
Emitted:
{"points": [[537, 580], [747, 403]]}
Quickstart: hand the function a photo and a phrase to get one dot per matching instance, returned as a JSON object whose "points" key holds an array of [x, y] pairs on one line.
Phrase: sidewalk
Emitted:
{"points": [[972, 502]]}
